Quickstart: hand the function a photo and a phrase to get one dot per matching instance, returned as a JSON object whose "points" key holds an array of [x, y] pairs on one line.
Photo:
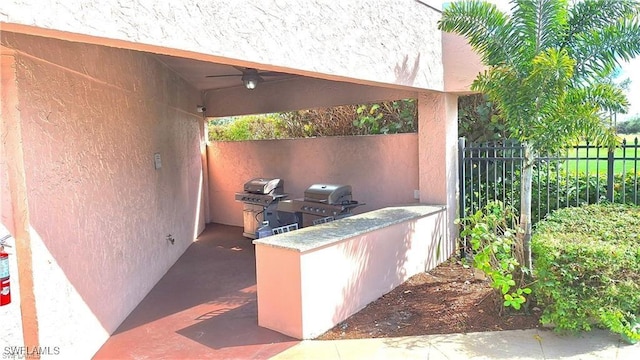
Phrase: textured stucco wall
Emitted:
{"points": [[363, 268], [461, 64], [11, 331], [92, 118], [377, 41], [438, 151], [296, 94], [383, 170]]}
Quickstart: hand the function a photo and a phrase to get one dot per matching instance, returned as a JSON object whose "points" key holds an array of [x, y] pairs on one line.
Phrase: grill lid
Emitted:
{"points": [[265, 186], [328, 193]]}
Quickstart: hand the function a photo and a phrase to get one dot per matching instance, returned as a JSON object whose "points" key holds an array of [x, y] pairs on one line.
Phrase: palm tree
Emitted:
{"points": [[547, 65]]}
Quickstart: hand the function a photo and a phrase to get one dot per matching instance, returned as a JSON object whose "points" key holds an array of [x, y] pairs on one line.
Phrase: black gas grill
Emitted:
{"points": [[321, 202], [261, 197], [261, 191]]}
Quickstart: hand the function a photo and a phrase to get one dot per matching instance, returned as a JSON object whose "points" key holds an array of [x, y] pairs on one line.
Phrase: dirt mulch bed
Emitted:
{"points": [[448, 299]]}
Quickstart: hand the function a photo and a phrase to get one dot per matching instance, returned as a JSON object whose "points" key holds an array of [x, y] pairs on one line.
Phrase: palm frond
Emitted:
{"points": [[547, 63], [590, 15], [552, 69], [594, 128], [606, 97], [598, 52], [503, 86], [483, 25], [540, 23]]}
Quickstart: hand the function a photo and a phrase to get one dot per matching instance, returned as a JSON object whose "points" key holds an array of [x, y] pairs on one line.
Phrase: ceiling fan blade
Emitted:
{"points": [[273, 73], [248, 70], [223, 75], [243, 69]]}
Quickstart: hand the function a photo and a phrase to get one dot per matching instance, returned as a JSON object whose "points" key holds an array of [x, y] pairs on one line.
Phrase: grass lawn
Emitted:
{"points": [[627, 159], [630, 137]]}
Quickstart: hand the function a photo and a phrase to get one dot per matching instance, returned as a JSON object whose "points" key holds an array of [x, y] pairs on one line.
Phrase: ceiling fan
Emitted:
{"points": [[250, 76]]}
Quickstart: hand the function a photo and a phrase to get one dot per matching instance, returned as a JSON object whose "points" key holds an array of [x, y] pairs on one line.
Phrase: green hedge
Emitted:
{"points": [[587, 268], [571, 190]]}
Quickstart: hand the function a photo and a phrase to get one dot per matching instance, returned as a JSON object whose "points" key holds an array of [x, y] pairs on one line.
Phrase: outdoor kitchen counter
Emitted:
{"points": [[311, 279], [314, 237]]}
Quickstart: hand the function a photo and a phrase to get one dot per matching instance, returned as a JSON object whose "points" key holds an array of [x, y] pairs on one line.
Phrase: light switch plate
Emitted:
{"points": [[157, 160]]}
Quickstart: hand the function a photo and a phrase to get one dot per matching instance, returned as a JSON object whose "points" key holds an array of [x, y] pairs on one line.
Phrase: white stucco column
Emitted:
{"points": [[437, 152]]}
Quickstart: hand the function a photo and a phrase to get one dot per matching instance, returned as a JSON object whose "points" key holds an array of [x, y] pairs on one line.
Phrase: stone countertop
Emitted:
{"points": [[313, 237]]}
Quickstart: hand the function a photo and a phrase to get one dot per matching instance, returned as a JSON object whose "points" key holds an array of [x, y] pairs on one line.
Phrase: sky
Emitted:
{"points": [[630, 69]]}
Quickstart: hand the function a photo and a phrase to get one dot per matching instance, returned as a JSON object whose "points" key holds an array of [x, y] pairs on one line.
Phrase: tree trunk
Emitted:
{"points": [[526, 179]]}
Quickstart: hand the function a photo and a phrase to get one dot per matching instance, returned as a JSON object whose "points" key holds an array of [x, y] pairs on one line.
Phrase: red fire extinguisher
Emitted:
{"points": [[5, 289]]}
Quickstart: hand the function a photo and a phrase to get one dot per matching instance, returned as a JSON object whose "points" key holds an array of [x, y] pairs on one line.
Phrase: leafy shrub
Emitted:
{"points": [[478, 119], [553, 189], [587, 268], [253, 127], [496, 252], [565, 189], [390, 117]]}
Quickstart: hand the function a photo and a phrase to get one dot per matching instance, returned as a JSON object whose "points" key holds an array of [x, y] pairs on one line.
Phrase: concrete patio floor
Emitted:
{"points": [[203, 308]]}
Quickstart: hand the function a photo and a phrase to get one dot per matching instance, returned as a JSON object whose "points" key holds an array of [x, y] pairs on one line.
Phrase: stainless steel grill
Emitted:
{"points": [[321, 201], [261, 197], [264, 186], [328, 194], [261, 191]]}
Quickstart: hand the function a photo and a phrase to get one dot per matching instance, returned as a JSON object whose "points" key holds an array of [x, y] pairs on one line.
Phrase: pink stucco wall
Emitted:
{"points": [[92, 119], [460, 62], [295, 94], [382, 170], [438, 151], [303, 293], [11, 314]]}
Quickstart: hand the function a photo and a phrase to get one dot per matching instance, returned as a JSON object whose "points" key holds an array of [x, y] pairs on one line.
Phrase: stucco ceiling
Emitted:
{"points": [[195, 72]]}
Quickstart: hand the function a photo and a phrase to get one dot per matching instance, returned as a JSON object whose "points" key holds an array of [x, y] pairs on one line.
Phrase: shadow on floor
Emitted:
{"points": [[204, 307], [234, 327]]}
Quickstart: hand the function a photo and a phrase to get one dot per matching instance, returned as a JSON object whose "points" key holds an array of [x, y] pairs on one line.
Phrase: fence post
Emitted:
{"points": [[461, 177], [610, 160], [462, 190]]}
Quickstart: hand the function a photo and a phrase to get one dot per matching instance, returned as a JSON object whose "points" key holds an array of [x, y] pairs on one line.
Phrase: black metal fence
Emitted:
{"points": [[584, 174]]}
